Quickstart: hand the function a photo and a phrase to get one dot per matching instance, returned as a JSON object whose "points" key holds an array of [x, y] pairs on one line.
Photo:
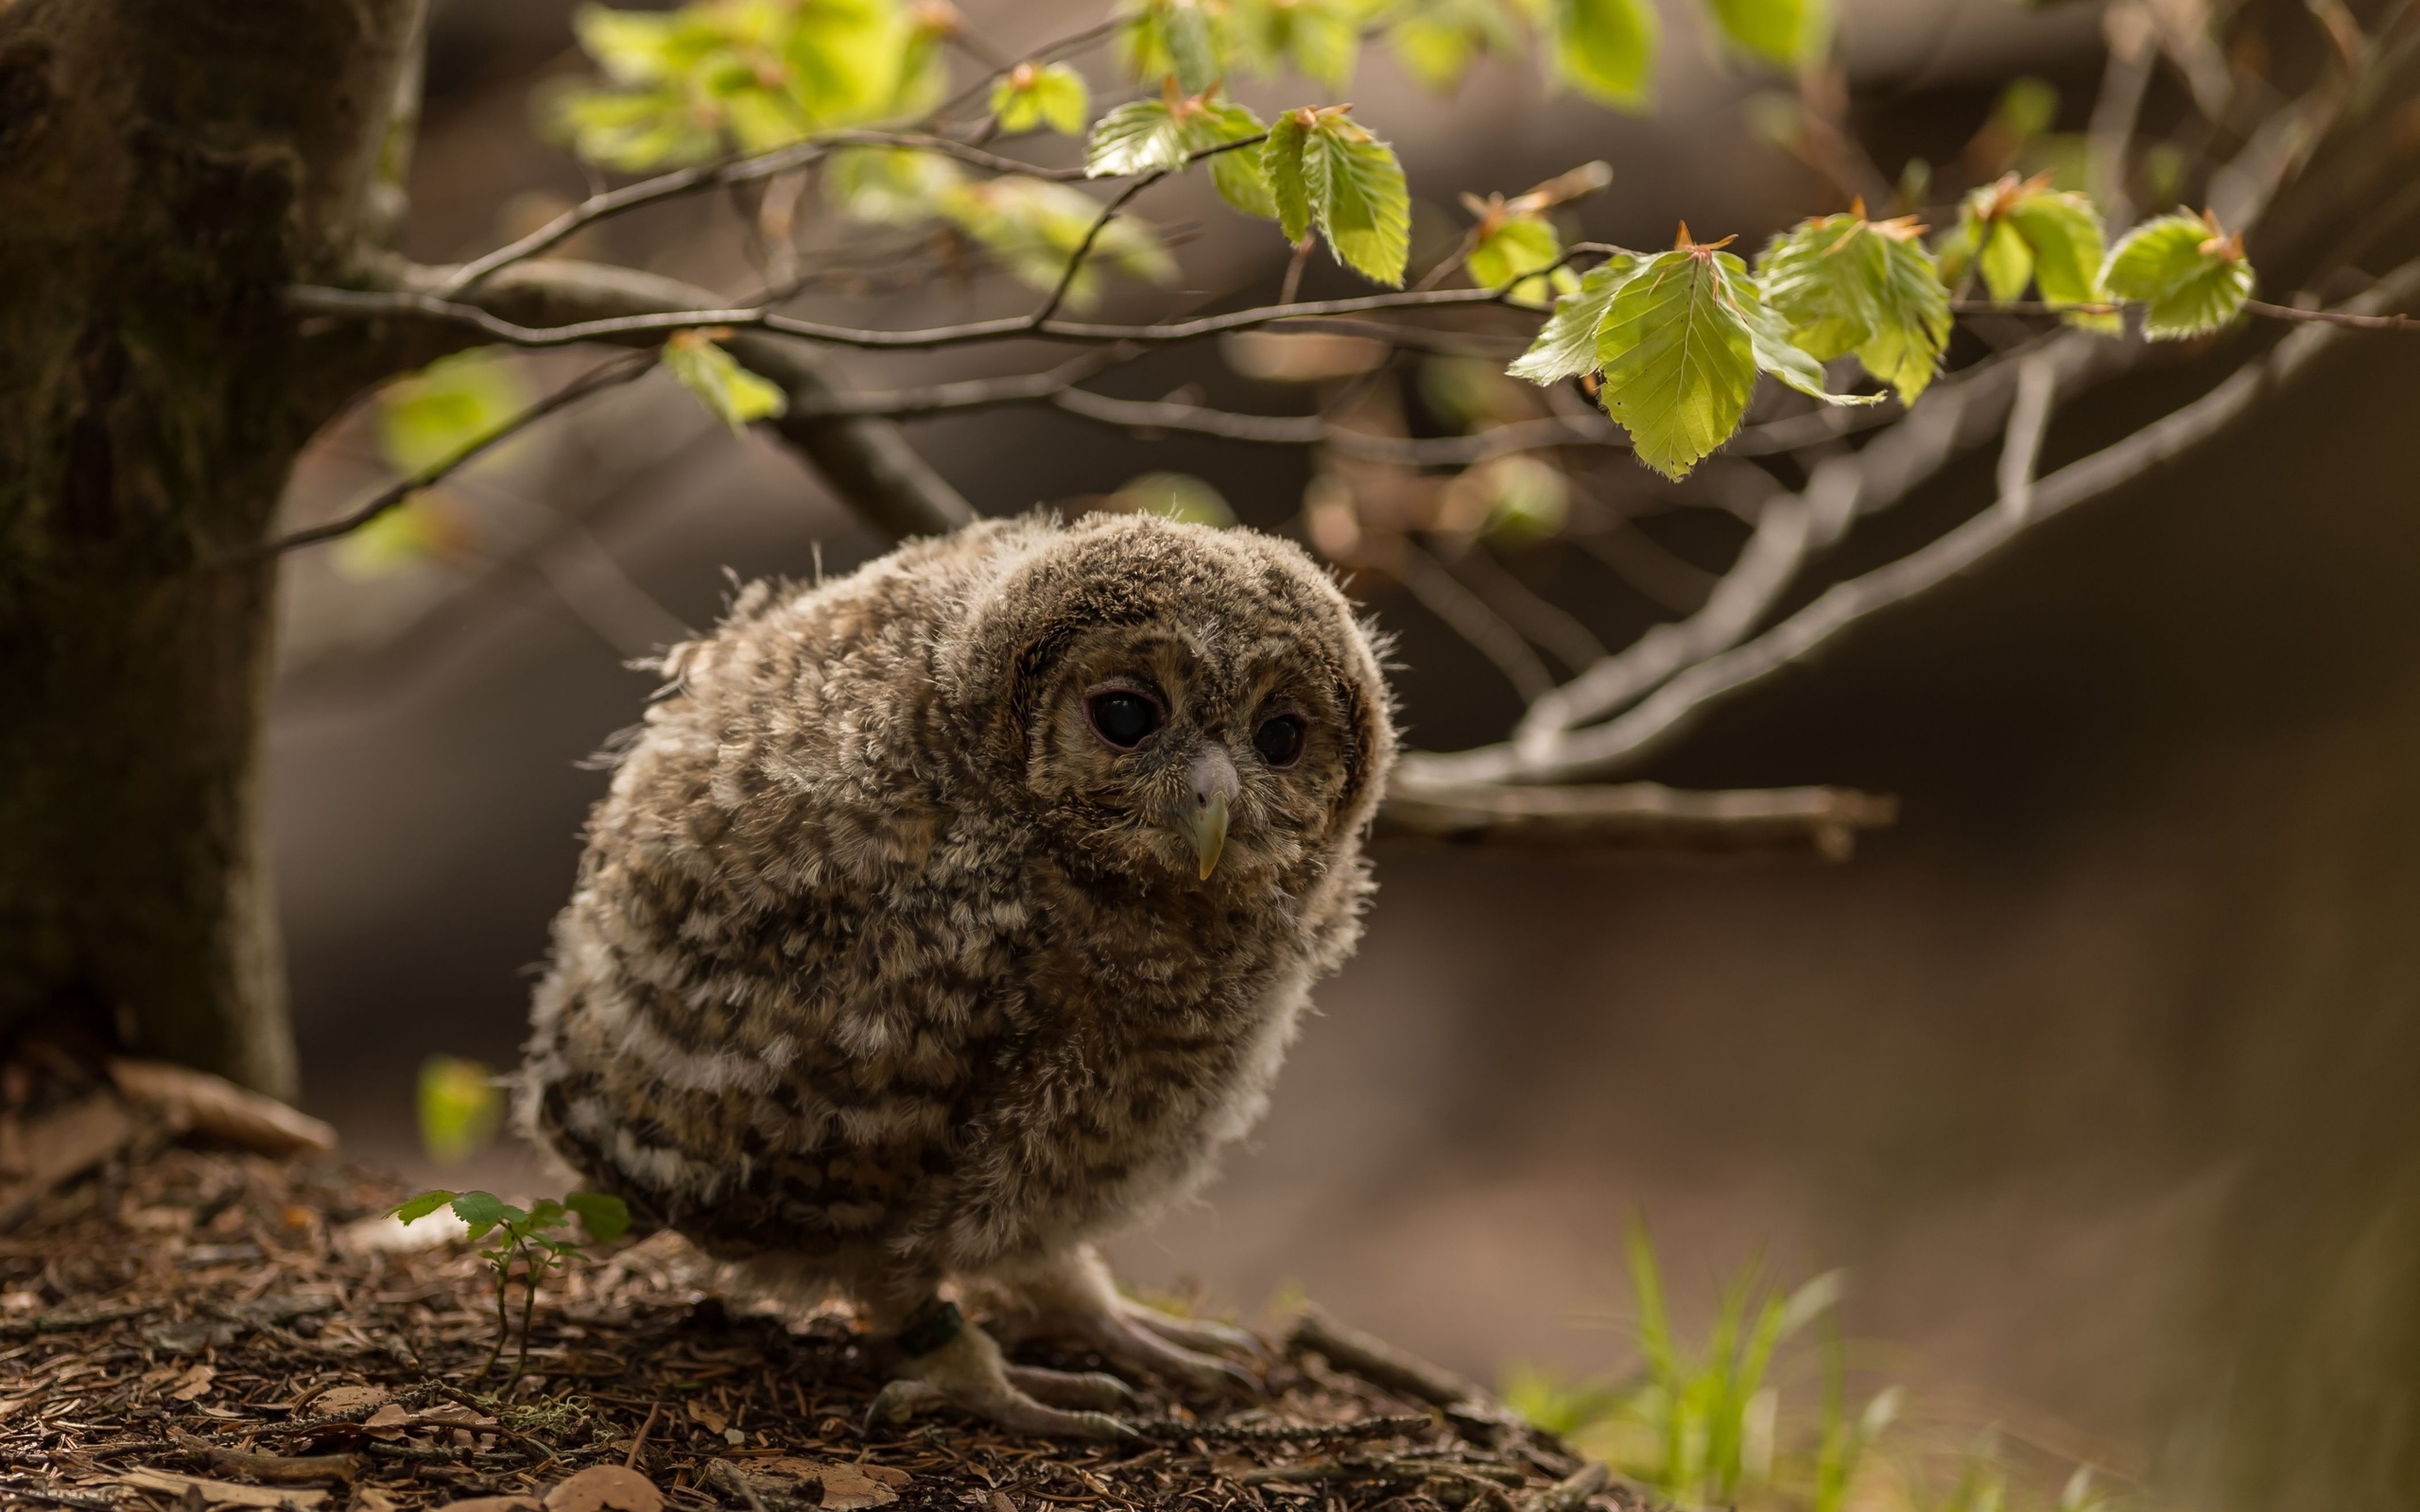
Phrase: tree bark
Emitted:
{"points": [[167, 170]]}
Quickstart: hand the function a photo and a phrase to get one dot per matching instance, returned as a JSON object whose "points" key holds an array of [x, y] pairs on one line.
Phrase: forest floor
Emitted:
{"points": [[185, 1329]]}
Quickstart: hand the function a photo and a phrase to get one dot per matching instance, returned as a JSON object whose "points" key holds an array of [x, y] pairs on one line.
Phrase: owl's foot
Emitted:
{"points": [[1074, 1300], [968, 1372]]}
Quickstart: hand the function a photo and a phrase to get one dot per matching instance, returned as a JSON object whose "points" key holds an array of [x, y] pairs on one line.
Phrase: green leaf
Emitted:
{"points": [[1319, 38], [1784, 33], [1281, 164], [421, 1206], [892, 186], [1051, 95], [1172, 39], [1437, 41], [446, 407], [2190, 276], [483, 1210], [1566, 344], [1136, 138], [1178, 496], [546, 1213], [606, 1218], [2007, 262], [1358, 196], [1848, 285], [1161, 134], [461, 1107], [1514, 247], [730, 391], [2063, 232], [1033, 226], [1677, 358], [1605, 49]]}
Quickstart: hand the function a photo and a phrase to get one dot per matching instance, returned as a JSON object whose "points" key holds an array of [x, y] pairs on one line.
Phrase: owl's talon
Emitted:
{"points": [[1199, 1333], [1071, 1388], [969, 1373]]}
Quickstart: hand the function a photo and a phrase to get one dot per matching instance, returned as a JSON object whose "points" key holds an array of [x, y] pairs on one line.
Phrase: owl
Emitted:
{"points": [[945, 917]]}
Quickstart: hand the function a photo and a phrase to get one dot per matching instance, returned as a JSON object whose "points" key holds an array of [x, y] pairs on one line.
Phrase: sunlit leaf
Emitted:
{"points": [[461, 1107], [2007, 262], [1566, 344], [1168, 133], [1605, 48], [732, 393], [1178, 496], [1317, 39], [1351, 184], [446, 407], [1172, 39], [1050, 94], [1846, 285], [892, 186], [1676, 357], [2064, 230], [1032, 227], [1137, 137], [1528, 500], [1281, 162], [1784, 33], [421, 1207], [1514, 246], [1437, 41], [2190, 277], [606, 1217]]}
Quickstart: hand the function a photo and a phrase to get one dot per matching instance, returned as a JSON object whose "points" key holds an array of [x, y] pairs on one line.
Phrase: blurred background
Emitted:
{"points": [[2093, 1074]]}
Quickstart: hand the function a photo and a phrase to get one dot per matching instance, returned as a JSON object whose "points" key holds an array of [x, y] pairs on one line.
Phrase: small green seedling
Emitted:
{"points": [[528, 1237]]}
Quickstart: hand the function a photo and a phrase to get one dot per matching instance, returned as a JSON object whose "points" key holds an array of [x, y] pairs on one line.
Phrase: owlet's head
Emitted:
{"points": [[1181, 702]]}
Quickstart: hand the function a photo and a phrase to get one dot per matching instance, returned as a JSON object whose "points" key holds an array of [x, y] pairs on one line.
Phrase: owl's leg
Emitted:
{"points": [[1071, 1296], [944, 1359]]}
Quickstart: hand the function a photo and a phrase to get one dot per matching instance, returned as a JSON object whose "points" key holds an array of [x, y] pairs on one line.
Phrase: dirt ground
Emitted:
{"points": [[188, 1329]]}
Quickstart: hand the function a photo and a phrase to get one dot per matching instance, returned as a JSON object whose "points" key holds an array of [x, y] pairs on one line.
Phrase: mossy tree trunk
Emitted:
{"points": [[168, 169]]}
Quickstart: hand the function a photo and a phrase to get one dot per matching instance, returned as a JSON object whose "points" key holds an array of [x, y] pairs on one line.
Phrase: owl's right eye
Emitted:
{"points": [[1123, 717]]}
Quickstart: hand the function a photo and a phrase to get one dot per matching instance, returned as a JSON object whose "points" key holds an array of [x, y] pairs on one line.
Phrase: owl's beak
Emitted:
{"points": [[1202, 815]]}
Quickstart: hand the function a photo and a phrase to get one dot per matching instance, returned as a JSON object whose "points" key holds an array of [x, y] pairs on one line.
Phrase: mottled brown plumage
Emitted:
{"points": [[890, 967]]}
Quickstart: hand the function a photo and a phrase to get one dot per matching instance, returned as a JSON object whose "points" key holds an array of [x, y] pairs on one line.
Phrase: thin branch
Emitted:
{"points": [[2029, 419], [868, 464], [712, 176], [1084, 249], [2340, 317], [1546, 625], [1467, 615], [1639, 816], [606, 375], [2127, 29], [382, 303], [1959, 412], [1599, 750]]}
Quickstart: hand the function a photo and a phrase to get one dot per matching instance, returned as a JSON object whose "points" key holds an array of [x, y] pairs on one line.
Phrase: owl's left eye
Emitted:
{"points": [[1279, 740]]}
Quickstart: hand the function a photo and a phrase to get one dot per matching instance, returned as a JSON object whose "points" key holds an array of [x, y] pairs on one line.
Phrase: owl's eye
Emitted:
{"points": [[1124, 717], [1279, 740]]}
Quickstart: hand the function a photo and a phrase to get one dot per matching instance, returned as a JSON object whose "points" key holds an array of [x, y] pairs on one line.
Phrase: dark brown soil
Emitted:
{"points": [[193, 1329]]}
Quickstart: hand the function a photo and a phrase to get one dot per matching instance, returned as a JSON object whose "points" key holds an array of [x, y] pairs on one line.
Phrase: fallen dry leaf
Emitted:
{"points": [[605, 1488], [343, 1401], [195, 1383], [843, 1488], [392, 1415], [714, 1421], [492, 1503], [221, 1493]]}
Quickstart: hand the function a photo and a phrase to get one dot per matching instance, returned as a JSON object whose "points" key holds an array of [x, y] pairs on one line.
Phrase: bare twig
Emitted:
{"points": [[2037, 384], [1467, 615], [374, 304], [606, 375], [2338, 317], [1635, 816], [2128, 28], [1600, 748]]}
